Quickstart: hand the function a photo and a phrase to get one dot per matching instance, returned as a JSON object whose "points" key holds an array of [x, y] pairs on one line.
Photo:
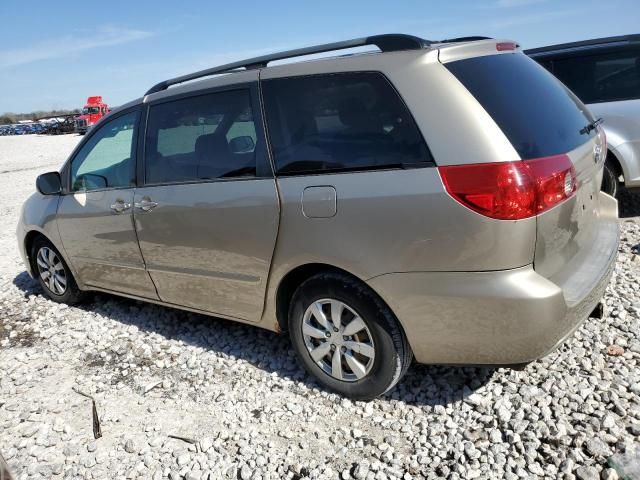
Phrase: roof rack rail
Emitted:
{"points": [[386, 43], [594, 42]]}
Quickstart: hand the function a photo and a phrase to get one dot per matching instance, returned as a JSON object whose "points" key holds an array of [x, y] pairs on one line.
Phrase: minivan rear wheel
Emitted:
{"points": [[53, 273], [610, 179], [347, 337]]}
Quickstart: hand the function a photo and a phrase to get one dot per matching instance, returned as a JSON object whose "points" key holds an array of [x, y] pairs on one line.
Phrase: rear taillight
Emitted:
{"points": [[600, 149], [511, 190], [505, 46]]}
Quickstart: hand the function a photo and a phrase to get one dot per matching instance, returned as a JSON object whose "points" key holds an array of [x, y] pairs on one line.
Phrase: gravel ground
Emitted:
{"points": [[186, 396]]}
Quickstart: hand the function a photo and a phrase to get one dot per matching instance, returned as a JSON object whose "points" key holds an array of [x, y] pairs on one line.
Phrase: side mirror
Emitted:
{"points": [[242, 144], [49, 183]]}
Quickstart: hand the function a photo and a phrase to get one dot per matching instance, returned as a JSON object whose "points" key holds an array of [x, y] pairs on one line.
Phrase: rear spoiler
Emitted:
{"points": [[450, 52]]}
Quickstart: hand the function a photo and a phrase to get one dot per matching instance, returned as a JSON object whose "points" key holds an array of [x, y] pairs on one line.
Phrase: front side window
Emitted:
{"points": [[340, 122], [603, 77], [106, 160], [201, 138]]}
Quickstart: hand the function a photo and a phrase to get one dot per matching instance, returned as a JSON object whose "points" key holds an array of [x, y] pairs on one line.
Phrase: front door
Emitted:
{"points": [[95, 215], [207, 214]]}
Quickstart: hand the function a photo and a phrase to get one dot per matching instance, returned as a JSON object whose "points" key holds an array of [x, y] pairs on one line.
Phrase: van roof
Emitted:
{"points": [[386, 43]]}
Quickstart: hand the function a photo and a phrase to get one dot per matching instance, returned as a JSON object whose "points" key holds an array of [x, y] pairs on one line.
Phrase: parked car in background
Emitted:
{"points": [[21, 129], [605, 74], [49, 125], [437, 199], [38, 128], [29, 128]]}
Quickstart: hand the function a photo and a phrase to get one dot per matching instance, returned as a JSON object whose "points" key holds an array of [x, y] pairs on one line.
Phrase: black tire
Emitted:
{"points": [[610, 182], [72, 294], [393, 354]]}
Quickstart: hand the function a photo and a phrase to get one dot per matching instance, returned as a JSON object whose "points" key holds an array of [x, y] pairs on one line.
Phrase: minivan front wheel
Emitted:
{"points": [[53, 274], [347, 337]]}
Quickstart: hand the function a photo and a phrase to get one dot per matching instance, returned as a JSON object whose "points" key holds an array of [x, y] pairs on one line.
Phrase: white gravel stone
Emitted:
{"points": [[587, 473], [183, 459], [130, 446]]}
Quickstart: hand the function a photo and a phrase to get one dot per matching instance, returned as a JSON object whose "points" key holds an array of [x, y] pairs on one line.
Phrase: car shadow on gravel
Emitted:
{"points": [[628, 204], [268, 351]]}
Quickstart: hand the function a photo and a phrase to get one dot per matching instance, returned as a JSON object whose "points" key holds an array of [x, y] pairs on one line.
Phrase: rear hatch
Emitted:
{"points": [[545, 122]]}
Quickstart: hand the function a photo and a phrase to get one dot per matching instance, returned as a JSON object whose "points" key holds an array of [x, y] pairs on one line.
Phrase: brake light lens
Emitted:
{"points": [[600, 149], [511, 190], [504, 46]]}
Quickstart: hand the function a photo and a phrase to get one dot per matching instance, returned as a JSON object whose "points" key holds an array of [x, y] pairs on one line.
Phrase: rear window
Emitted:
{"points": [[539, 116], [601, 77], [340, 122], [201, 138]]}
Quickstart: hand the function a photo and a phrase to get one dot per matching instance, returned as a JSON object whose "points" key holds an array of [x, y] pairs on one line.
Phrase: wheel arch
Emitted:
{"points": [[29, 238], [296, 276], [613, 160]]}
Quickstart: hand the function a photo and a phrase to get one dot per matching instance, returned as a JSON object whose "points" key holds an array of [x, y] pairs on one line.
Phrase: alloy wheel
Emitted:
{"points": [[51, 270], [338, 340]]}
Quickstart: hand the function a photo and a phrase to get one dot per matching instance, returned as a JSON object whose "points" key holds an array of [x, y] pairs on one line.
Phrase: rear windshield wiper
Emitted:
{"points": [[591, 126]]}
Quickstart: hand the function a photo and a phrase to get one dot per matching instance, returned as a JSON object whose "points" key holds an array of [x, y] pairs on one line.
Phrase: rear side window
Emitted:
{"points": [[603, 77], [340, 122], [539, 116], [201, 138]]}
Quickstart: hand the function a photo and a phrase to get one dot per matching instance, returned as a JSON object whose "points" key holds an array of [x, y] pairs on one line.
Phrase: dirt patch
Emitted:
{"points": [[15, 330], [118, 369]]}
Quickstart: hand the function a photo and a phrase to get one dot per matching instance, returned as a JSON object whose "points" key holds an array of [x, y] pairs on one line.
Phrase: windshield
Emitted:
{"points": [[602, 77], [86, 110]]}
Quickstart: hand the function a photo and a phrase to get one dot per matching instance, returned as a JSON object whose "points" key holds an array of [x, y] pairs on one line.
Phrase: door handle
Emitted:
{"points": [[146, 205], [120, 206]]}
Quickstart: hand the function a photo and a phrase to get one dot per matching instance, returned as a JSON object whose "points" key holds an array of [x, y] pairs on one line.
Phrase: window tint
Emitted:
{"points": [[201, 138], [539, 116], [106, 160], [340, 122], [604, 77]]}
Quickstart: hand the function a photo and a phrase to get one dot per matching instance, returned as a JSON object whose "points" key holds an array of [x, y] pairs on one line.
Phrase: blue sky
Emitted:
{"points": [[54, 54]]}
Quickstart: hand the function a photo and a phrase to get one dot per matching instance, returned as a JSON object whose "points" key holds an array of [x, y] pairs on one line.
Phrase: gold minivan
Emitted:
{"points": [[436, 200]]}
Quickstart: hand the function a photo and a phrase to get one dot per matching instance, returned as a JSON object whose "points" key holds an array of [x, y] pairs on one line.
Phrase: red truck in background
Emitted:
{"points": [[93, 111]]}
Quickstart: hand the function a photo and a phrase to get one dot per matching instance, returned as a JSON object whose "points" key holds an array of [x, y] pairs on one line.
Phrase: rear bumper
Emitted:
{"points": [[501, 317]]}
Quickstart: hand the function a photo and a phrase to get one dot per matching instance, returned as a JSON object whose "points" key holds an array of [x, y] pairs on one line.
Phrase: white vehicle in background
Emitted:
{"points": [[605, 74]]}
